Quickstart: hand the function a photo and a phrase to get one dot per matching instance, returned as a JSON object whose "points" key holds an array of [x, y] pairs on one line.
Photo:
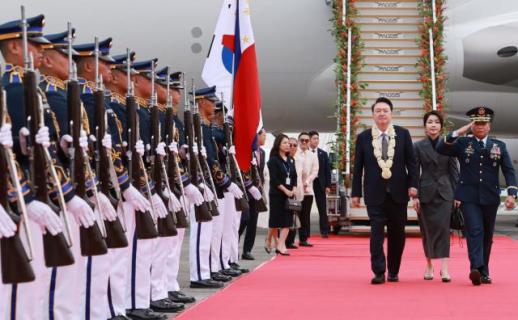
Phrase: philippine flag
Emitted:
{"points": [[233, 44]]}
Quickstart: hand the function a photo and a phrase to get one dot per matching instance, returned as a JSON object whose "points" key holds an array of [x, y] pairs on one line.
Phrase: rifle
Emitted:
{"points": [[115, 233], [56, 248], [234, 171], [202, 212], [16, 266], [206, 174], [260, 204], [166, 226], [144, 223], [172, 174], [91, 238]]}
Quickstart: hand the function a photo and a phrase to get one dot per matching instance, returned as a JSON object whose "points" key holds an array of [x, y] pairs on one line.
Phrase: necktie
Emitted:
{"points": [[481, 143], [384, 147], [313, 150]]}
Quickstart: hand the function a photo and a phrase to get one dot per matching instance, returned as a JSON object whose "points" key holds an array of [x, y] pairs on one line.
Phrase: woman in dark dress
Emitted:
{"points": [[283, 180], [437, 182]]}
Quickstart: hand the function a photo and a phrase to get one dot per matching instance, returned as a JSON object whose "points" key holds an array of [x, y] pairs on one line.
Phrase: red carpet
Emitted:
{"points": [[331, 281]]}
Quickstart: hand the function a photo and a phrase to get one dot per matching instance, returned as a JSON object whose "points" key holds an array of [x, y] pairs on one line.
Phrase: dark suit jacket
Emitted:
{"points": [[261, 164], [324, 169], [438, 173], [404, 169]]}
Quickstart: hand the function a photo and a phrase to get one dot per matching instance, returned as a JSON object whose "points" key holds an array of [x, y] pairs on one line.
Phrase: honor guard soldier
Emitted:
{"points": [[481, 158], [16, 53], [169, 95]]}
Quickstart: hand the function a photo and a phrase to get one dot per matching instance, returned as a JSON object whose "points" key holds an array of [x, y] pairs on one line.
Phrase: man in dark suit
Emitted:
{"points": [[322, 183], [478, 192], [385, 157], [249, 222]]}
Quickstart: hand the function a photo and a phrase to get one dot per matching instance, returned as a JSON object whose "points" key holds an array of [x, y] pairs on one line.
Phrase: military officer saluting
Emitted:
{"points": [[478, 191]]}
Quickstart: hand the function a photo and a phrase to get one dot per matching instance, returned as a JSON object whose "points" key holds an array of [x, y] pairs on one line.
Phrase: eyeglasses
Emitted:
{"points": [[304, 140], [293, 145]]}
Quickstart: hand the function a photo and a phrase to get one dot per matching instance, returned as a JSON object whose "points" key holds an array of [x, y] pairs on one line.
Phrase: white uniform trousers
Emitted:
{"points": [[118, 278], [234, 245], [141, 252], [26, 301], [228, 225], [217, 238], [162, 248], [173, 261], [200, 237], [65, 293], [4, 293]]}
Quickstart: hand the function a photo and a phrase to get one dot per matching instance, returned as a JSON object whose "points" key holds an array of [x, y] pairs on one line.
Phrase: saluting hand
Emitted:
{"points": [[464, 129], [510, 202]]}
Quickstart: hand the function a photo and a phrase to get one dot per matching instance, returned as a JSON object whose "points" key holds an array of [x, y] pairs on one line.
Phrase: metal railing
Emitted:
{"points": [[432, 57]]}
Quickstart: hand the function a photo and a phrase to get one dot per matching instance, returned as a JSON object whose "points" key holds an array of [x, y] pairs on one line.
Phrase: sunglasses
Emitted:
{"points": [[293, 145], [304, 140]]}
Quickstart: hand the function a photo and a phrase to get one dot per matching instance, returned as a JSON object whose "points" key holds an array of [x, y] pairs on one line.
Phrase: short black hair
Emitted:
{"points": [[382, 100], [303, 133], [313, 133], [433, 113]]}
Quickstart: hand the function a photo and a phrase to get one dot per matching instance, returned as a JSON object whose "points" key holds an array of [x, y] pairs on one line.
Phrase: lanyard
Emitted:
{"points": [[286, 166]]}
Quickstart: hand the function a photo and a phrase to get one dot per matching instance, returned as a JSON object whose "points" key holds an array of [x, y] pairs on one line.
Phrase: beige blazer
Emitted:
{"points": [[306, 164]]}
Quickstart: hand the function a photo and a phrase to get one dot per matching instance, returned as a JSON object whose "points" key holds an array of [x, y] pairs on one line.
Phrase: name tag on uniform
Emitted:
{"points": [[288, 181]]}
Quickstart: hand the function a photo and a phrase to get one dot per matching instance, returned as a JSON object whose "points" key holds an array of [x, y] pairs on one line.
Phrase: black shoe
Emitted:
{"points": [[178, 296], [486, 280], [305, 244], [393, 278], [119, 317], [325, 236], [277, 251], [166, 305], [206, 284], [231, 272], [475, 277], [378, 279], [247, 256], [236, 266], [145, 314], [216, 276], [291, 246]]}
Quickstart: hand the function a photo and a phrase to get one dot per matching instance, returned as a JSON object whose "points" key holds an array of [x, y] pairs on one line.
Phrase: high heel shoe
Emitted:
{"points": [[445, 277], [428, 274], [277, 251], [267, 248]]}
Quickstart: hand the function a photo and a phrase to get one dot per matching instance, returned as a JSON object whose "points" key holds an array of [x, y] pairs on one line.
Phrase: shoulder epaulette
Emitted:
{"points": [[118, 98], [53, 84], [87, 87], [15, 73], [143, 103]]}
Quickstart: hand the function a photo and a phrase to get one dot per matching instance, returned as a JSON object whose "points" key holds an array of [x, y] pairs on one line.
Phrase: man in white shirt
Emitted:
{"points": [[306, 163]]}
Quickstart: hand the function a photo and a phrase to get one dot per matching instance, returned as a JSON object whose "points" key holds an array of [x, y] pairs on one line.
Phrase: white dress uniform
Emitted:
{"points": [[228, 230], [200, 237], [217, 238]]}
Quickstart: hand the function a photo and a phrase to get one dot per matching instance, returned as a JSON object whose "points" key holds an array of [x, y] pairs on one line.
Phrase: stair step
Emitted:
{"points": [[409, 123], [365, 27], [391, 51], [392, 43], [399, 112], [373, 76], [390, 93], [389, 35], [389, 68], [393, 11], [393, 84], [390, 4], [393, 59]]}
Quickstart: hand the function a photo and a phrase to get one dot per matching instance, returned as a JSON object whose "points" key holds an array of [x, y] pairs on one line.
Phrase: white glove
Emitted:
{"points": [[44, 217], [204, 152], [65, 142], [173, 147], [23, 134], [137, 200], [148, 147], [234, 189], [81, 211], [195, 149], [174, 203], [232, 150], [7, 226], [107, 210], [160, 149], [6, 136], [254, 162], [159, 206], [139, 147], [42, 137], [208, 195], [107, 141], [193, 194], [256, 194], [83, 141]]}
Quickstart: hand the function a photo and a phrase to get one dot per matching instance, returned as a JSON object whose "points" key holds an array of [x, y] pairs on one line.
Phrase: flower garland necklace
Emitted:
{"points": [[385, 165]]}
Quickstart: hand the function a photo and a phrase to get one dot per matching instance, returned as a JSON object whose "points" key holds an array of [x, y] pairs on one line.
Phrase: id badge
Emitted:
{"points": [[288, 181]]}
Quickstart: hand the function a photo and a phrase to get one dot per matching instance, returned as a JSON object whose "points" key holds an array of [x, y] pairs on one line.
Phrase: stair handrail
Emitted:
{"points": [[432, 58]]}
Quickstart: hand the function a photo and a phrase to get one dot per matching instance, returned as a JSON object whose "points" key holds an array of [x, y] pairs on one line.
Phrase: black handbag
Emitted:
{"points": [[294, 205], [457, 220]]}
